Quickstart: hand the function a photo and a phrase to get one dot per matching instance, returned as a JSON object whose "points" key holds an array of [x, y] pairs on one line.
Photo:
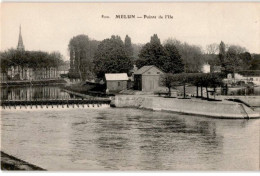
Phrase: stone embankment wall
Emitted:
{"points": [[223, 109]]}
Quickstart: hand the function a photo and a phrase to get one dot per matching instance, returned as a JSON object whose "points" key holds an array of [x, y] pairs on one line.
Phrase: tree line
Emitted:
{"points": [[206, 80], [29, 59], [92, 58]]}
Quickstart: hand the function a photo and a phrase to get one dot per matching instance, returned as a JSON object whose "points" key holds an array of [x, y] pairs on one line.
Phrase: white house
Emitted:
{"points": [[205, 68], [255, 78]]}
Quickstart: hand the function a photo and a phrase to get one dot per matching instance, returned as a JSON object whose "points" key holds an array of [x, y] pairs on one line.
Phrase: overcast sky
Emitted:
{"points": [[50, 26]]}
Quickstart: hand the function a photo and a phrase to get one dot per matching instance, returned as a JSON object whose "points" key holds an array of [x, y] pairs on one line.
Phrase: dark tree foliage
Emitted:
{"points": [[191, 55], [111, 57], [172, 60], [212, 80], [168, 80], [222, 53], [30, 59], [234, 59], [136, 50], [255, 63], [232, 62], [167, 57], [151, 53], [155, 39], [82, 50], [128, 46], [246, 59]]}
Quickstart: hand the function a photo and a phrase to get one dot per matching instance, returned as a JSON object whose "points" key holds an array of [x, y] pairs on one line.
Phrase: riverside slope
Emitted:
{"points": [[221, 109]]}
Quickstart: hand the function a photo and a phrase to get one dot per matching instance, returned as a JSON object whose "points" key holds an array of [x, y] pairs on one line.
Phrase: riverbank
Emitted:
{"points": [[32, 82], [11, 163], [216, 109], [87, 89]]}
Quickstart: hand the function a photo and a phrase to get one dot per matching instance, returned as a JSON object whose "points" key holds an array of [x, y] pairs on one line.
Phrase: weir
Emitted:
{"points": [[63, 103]]}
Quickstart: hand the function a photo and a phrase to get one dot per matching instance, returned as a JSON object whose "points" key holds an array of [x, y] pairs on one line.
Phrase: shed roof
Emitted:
{"points": [[116, 76], [144, 69]]}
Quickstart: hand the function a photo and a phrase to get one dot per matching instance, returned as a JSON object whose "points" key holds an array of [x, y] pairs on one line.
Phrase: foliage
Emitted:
{"points": [[235, 58], [172, 60], [30, 59], [255, 63], [250, 72], [136, 50], [166, 57], [212, 48], [82, 50], [168, 80], [198, 79], [128, 46], [111, 57], [222, 53], [246, 59], [152, 53], [191, 55]]}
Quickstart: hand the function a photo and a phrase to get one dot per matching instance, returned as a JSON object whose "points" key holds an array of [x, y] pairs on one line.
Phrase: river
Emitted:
{"points": [[107, 138]]}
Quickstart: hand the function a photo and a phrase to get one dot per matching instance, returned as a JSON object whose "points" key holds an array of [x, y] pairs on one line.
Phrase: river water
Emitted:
{"points": [[107, 138]]}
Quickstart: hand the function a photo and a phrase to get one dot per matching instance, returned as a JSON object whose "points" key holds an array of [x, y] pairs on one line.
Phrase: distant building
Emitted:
{"points": [[18, 73], [245, 76], [64, 68], [20, 46], [205, 68], [215, 69], [147, 78], [116, 82]]}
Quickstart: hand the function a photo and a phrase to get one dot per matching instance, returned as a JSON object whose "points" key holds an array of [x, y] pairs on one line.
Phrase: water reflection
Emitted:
{"points": [[33, 93], [129, 139]]}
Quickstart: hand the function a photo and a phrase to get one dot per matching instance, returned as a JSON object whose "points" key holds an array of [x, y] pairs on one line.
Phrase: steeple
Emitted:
{"points": [[20, 45]]}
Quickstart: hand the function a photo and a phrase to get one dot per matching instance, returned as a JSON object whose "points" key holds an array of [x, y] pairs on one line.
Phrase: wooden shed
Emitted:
{"points": [[147, 78], [116, 82]]}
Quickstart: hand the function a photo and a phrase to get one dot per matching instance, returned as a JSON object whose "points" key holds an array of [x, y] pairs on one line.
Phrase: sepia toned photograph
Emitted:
{"points": [[158, 86]]}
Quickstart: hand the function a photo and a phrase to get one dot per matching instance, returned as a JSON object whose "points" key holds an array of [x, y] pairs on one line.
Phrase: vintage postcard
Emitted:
{"points": [[130, 86]]}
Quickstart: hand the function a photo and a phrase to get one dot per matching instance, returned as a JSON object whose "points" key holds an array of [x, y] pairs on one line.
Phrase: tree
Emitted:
{"points": [[36, 60], [128, 46], [246, 59], [212, 48], [166, 57], [111, 57], [168, 80], [191, 55], [222, 53], [82, 49], [136, 50], [152, 53], [235, 60], [172, 60], [255, 63], [211, 56], [155, 39]]}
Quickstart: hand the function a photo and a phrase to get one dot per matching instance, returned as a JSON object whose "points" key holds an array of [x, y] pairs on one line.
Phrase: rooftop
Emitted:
{"points": [[116, 76], [144, 69]]}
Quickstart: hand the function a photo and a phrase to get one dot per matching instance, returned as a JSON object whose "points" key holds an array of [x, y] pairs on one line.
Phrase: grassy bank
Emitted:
{"points": [[88, 88]]}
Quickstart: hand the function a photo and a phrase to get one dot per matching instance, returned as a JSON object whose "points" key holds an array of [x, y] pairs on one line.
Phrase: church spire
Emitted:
{"points": [[20, 45]]}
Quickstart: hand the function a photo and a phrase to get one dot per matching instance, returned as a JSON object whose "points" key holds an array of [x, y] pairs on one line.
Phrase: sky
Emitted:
{"points": [[50, 26]]}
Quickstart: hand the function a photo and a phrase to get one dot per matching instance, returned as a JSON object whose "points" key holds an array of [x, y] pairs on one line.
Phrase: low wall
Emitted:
{"points": [[253, 101], [223, 109]]}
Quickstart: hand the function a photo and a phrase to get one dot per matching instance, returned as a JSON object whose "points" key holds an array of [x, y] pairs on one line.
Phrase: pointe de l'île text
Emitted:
{"points": [[139, 16]]}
